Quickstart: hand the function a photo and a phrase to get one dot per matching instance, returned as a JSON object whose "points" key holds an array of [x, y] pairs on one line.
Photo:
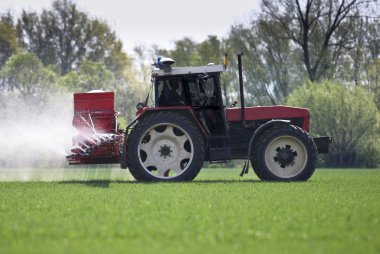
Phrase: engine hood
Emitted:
{"points": [[268, 113]]}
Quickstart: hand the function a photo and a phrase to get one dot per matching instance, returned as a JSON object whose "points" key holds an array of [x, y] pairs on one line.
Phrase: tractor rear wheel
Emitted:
{"points": [[284, 153], [165, 146]]}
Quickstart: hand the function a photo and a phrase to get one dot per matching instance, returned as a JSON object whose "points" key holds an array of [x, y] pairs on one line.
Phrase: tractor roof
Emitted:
{"points": [[187, 70]]}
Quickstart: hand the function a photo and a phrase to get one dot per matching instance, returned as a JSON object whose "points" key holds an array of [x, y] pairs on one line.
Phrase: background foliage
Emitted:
{"points": [[347, 114]]}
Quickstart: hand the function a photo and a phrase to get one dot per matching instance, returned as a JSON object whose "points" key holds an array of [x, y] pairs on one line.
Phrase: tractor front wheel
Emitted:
{"points": [[165, 146], [284, 153]]}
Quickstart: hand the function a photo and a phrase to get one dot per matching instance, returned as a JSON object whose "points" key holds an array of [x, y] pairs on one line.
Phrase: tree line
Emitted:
{"points": [[63, 48], [324, 55]]}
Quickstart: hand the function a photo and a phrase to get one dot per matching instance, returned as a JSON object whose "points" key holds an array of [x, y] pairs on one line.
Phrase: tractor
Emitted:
{"points": [[187, 124]]}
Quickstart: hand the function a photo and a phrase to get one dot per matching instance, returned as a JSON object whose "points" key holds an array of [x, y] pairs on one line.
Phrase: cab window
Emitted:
{"points": [[171, 92], [202, 91]]}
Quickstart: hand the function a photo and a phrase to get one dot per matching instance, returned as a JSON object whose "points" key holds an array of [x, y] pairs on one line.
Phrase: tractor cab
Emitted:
{"points": [[197, 88]]}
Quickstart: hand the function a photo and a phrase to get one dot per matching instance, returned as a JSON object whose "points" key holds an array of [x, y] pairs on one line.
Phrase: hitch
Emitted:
{"points": [[245, 168]]}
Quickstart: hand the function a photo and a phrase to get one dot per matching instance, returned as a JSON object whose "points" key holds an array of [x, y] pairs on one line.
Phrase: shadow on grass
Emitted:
{"points": [[105, 183], [94, 183], [228, 181]]}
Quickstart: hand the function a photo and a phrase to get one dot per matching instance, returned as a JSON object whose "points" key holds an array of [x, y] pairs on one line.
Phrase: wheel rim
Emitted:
{"points": [[165, 151], [286, 156]]}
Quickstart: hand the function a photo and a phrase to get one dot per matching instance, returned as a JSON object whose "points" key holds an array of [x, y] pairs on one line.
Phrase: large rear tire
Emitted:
{"points": [[165, 146], [284, 153]]}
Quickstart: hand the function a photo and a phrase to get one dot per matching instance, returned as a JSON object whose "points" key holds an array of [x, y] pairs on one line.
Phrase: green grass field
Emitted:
{"points": [[105, 211]]}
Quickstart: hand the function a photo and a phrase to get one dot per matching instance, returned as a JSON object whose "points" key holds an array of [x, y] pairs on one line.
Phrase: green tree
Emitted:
{"points": [[210, 50], [64, 37], [8, 38], [349, 115], [90, 76], [320, 29], [143, 61], [25, 74], [358, 63], [266, 62], [184, 52], [128, 94], [373, 76]]}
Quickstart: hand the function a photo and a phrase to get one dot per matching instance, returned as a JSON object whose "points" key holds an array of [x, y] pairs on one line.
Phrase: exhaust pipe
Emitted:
{"points": [[242, 104]]}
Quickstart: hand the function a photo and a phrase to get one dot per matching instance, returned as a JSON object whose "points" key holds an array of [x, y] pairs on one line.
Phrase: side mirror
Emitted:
{"points": [[233, 104], [140, 105]]}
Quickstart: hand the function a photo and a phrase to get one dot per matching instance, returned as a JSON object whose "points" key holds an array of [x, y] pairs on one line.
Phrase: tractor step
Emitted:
{"points": [[218, 149]]}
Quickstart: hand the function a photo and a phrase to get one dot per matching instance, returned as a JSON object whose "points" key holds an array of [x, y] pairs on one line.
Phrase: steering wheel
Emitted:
{"points": [[205, 99]]}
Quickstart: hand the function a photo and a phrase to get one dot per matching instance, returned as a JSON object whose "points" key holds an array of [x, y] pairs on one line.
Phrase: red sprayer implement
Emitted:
{"points": [[98, 140]]}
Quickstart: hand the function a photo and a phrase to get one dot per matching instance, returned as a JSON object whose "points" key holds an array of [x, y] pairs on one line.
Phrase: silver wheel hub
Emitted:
{"points": [[165, 151], [285, 156]]}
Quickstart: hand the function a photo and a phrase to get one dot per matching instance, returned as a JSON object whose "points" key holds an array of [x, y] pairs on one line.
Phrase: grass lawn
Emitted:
{"points": [[104, 211]]}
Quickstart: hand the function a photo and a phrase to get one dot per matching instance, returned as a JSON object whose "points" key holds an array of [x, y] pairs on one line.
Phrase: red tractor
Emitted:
{"points": [[188, 125]]}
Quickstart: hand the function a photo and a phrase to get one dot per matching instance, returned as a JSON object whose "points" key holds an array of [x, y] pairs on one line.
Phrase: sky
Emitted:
{"points": [[146, 22]]}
